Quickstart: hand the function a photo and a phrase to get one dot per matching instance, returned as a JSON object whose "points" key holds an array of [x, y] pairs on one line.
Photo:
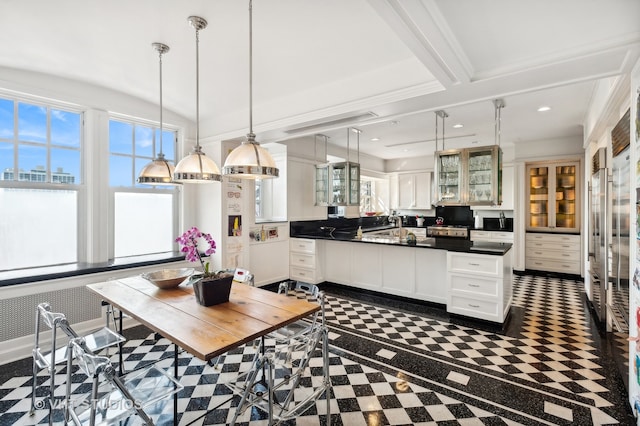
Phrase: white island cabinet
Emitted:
{"points": [[411, 272], [479, 285]]}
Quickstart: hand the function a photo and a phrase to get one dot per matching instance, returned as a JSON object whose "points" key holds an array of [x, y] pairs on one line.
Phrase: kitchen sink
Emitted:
{"points": [[391, 236]]}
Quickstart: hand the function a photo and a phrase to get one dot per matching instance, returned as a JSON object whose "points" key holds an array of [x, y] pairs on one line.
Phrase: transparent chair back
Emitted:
{"points": [[112, 398], [55, 353]]}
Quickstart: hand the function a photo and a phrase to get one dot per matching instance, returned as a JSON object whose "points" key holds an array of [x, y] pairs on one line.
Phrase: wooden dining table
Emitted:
{"points": [[205, 332]]}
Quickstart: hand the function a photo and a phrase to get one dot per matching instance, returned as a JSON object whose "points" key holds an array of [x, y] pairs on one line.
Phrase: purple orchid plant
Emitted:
{"points": [[189, 243]]}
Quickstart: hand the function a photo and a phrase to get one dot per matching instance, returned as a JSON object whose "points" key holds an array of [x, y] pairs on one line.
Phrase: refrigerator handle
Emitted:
{"points": [[591, 234]]}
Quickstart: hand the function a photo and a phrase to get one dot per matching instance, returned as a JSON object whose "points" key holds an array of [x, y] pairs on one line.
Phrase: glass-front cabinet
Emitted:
{"points": [[449, 178], [553, 196], [338, 184], [470, 176]]}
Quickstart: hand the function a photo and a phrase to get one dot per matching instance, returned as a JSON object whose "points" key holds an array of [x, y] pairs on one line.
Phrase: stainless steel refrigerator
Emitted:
{"points": [[618, 297], [598, 233], [609, 224]]}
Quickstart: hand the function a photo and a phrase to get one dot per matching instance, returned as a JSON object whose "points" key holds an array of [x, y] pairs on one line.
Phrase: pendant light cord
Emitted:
{"points": [[160, 55], [251, 134], [197, 88]]}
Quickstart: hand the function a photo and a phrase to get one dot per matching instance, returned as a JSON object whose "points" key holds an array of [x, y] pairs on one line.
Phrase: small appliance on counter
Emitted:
{"points": [[335, 211]]}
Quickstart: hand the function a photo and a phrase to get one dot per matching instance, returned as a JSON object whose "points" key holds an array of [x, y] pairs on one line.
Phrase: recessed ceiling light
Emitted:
{"points": [[458, 126], [394, 122], [544, 108], [375, 139]]}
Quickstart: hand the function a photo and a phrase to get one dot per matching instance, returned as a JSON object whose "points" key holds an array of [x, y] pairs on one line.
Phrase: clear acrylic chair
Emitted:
{"points": [[241, 276], [278, 370], [288, 334], [113, 399], [54, 353]]}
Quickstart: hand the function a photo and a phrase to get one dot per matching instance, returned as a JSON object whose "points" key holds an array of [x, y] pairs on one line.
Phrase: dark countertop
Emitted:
{"points": [[449, 244]]}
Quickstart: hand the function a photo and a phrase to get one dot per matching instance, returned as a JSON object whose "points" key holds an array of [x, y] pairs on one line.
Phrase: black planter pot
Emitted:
{"points": [[213, 291]]}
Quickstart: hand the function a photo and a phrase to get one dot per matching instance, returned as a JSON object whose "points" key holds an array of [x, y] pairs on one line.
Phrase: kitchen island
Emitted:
{"points": [[473, 279]]}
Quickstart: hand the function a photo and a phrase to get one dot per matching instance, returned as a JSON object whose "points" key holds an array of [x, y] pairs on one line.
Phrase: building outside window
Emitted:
{"points": [[40, 177]]}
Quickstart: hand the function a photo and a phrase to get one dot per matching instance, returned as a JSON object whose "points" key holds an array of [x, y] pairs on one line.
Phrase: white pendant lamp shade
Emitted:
{"points": [[250, 160], [197, 167], [159, 171]]}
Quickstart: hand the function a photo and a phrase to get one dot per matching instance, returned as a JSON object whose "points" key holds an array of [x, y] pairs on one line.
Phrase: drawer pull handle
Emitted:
{"points": [[566, 255], [538, 263], [301, 274], [473, 285], [301, 260], [474, 264], [474, 306]]}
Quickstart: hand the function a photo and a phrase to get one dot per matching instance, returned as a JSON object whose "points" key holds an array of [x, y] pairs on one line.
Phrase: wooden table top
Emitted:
{"points": [[205, 332]]}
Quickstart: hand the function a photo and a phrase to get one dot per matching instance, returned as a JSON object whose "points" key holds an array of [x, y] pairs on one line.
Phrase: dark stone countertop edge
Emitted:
{"points": [[449, 244]]}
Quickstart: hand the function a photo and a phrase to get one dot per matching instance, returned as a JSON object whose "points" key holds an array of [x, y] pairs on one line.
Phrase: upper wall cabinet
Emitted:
{"points": [[471, 176], [338, 184], [414, 191], [553, 196]]}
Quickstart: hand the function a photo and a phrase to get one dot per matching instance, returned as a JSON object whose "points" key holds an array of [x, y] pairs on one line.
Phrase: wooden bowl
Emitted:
{"points": [[168, 278]]}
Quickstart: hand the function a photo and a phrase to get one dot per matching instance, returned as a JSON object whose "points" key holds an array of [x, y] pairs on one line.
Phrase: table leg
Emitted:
{"points": [[175, 395]]}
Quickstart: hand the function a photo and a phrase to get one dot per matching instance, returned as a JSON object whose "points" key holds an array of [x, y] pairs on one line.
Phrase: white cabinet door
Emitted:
{"points": [[301, 192], [406, 191], [423, 190], [267, 262], [366, 266], [431, 276], [337, 257], [414, 190], [398, 270]]}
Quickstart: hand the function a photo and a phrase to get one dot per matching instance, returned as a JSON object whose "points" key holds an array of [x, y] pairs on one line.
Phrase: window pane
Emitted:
{"points": [[28, 236], [144, 141], [6, 161], [120, 170], [143, 224], [65, 128], [65, 166], [32, 123], [120, 137], [6, 119], [32, 163], [168, 146]]}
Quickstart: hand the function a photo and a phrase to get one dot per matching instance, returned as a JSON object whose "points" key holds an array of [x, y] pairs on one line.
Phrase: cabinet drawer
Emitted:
{"points": [[568, 267], [473, 285], [480, 235], [483, 309], [474, 264], [503, 236], [304, 275], [301, 245], [302, 260], [554, 238], [561, 256]]}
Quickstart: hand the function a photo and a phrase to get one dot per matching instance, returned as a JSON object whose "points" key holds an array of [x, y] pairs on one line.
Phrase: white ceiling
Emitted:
{"points": [[328, 61]]}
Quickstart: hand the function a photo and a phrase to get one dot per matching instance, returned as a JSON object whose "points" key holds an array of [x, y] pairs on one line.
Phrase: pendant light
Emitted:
{"points": [[250, 160], [197, 167], [159, 171]]}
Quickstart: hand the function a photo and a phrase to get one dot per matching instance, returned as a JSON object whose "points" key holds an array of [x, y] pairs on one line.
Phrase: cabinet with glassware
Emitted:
{"points": [[338, 184], [553, 196], [471, 176]]}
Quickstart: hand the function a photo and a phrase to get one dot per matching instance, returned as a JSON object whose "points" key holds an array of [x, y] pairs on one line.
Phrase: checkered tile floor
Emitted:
{"points": [[401, 367]]}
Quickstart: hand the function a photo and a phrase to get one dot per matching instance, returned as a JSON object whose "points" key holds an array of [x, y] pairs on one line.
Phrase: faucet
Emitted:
{"points": [[501, 220]]}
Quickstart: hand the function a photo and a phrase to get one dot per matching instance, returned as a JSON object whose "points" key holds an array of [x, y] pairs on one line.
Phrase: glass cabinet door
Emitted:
{"points": [[322, 185], [565, 214], [553, 197], [449, 176], [483, 174], [354, 184], [538, 197], [338, 184]]}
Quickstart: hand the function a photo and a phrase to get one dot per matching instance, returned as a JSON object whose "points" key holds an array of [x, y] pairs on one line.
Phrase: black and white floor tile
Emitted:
{"points": [[397, 363]]}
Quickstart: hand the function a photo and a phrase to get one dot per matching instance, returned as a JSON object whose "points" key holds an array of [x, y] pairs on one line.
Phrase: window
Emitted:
{"points": [[40, 192], [144, 216], [271, 194]]}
